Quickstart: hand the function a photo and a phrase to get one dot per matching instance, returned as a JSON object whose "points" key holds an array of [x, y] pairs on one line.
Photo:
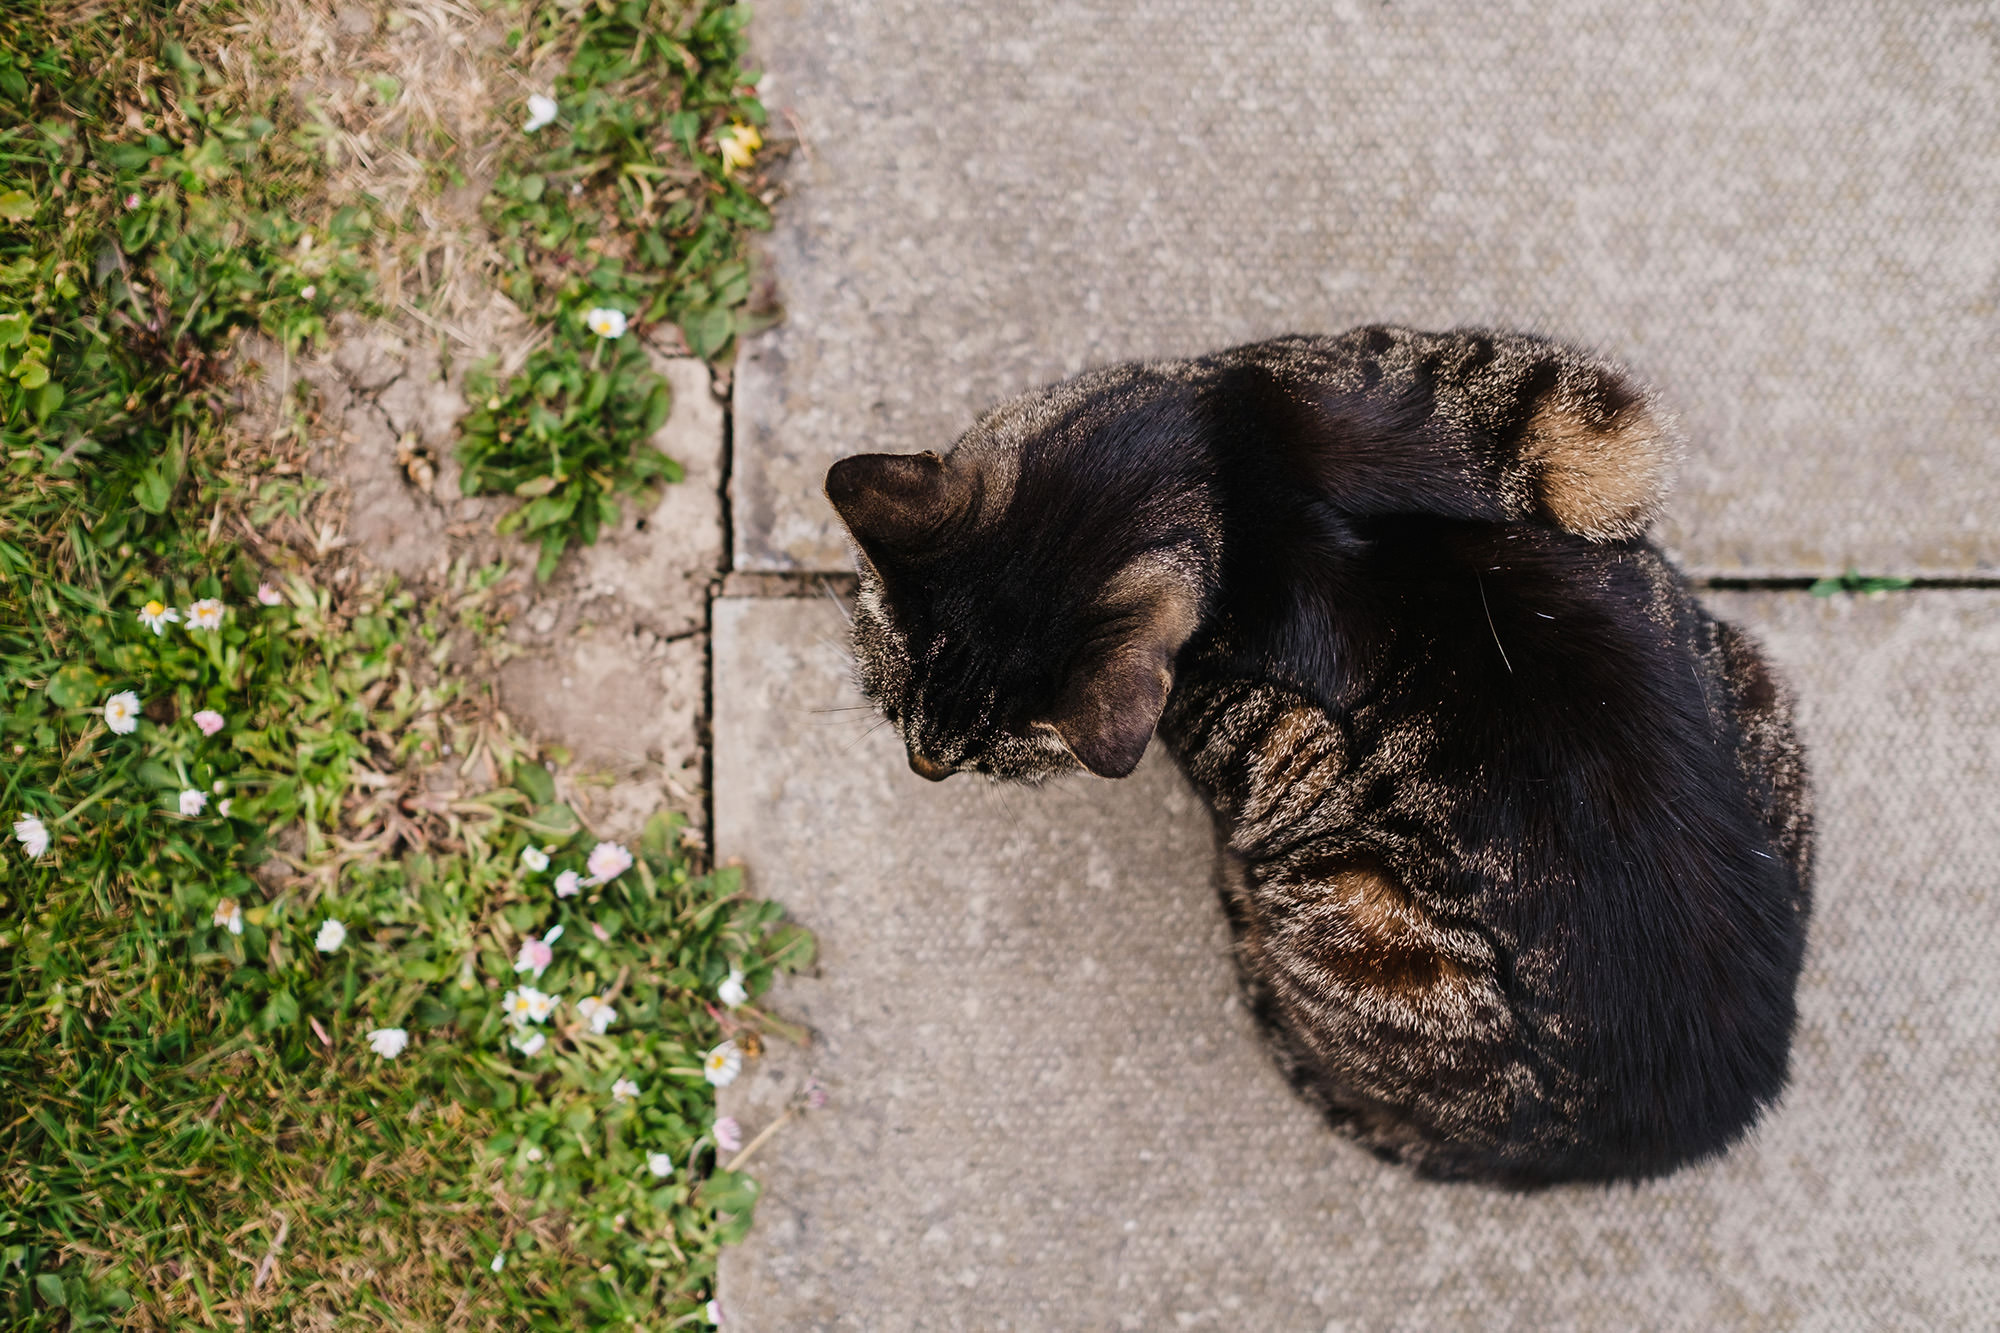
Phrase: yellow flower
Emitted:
{"points": [[738, 144]]}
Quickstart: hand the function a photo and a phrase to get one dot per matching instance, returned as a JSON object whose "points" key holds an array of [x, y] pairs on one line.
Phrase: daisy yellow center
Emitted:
{"points": [[154, 608]]}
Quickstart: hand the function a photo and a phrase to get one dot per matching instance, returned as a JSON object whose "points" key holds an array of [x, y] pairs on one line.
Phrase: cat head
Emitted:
{"points": [[1023, 598]]}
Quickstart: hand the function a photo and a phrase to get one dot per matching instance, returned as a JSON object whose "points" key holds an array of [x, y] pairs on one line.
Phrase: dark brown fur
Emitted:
{"points": [[1514, 838]]}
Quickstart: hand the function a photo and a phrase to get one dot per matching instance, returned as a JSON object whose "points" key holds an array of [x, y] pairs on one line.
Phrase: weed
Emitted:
{"points": [[560, 435], [1852, 582], [635, 199]]}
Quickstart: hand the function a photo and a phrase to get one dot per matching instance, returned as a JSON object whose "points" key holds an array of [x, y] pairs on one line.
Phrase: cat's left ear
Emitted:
{"points": [[1108, 709]]}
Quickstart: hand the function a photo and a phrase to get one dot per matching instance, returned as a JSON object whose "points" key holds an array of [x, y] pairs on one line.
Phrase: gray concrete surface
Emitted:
{"points": [[1049, 1112], [1782, 213]]}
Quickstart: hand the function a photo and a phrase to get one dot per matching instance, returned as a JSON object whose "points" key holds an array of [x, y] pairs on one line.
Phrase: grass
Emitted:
{"points": [[199, 1129]]}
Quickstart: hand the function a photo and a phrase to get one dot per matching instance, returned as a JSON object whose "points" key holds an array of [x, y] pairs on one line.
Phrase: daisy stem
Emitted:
{"points": [[87, 801], [739, 1159]]}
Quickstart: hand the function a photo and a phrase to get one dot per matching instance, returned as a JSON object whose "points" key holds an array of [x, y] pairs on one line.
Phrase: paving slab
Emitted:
{"points": [[1782, 214], [1048, 1110]]}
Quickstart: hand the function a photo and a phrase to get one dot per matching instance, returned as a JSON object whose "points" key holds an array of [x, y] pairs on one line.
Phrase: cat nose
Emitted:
{"points": [[924, 768]]}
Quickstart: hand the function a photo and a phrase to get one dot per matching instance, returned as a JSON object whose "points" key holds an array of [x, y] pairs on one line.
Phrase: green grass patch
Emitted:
{"points": [[1853, 583], [212, 752], [632, 203]]}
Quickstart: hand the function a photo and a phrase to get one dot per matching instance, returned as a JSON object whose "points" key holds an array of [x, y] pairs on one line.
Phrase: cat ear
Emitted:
{"points": [[895, 503], [1113, 700]]}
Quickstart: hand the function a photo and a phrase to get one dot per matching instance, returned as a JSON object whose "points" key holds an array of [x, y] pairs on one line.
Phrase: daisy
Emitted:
{"points": [[534, 1154], [738, 144], [608, 860], [597, 1013], [728, 1134], [389, 1042], [309, 291], [121, 712], [209, 721], [131, 201], [229, 915], [535, 858], [536, 955], [222, 806], [605, 322], [566, 884], [723, 1064], [205, 614], [624, 1090], [541, 111], [269, 596], [499, 1262], [331, 936], [660, 1164], [33, 835], [714, 1312], [731, 991], [156, 616], [193, 802], [527, 1043], [526, 1005]]}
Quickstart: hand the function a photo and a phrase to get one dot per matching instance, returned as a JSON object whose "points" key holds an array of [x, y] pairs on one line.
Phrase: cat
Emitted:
{"points": [[1514, 838]]}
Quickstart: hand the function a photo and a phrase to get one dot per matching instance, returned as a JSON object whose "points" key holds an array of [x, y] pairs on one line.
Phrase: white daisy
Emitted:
{"points": [[541, 111], [535, 858], [721, 1065], [660, 1164], [33, 835], [269, 596], [222, 806], [121, 712], [608, 860], [193, 803], [499, 1262], [731, 991], [229, 915], [714, 1312], [597, 1013], [534, 1154], [156, 616], [567, 884], [205, 614], [331, 936], [624, 1090], [527, 1043], [605, 322], [540, 1006], [389, 1042]]}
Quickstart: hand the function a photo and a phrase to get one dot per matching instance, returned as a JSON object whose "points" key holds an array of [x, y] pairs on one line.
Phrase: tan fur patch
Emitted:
{"points": [[1600, 480], [1290, 731], [1383, 940]]}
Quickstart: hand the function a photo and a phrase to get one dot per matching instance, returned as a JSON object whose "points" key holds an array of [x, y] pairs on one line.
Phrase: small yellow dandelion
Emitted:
{"points": [[738, 144]]}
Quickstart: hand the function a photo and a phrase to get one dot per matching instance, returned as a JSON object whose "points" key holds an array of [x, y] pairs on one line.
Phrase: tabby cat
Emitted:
{"points": [[1514, 837]]}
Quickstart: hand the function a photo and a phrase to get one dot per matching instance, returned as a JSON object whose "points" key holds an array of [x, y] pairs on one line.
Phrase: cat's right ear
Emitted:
{"points": [[895, 505]]}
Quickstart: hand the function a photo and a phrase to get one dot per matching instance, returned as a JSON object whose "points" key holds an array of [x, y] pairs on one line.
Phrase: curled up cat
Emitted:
{"points": [[1514, 838]]}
